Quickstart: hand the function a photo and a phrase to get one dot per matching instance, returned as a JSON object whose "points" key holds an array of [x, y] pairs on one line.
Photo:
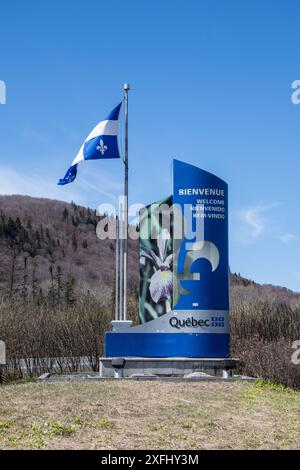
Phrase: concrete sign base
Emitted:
{"points": [[167, 367]]}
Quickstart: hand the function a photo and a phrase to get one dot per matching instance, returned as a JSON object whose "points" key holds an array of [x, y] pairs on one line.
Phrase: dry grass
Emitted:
{"points": [[149, 415]]}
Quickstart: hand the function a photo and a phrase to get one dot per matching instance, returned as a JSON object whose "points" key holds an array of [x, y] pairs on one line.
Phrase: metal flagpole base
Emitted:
{"points": [[120, 324]]}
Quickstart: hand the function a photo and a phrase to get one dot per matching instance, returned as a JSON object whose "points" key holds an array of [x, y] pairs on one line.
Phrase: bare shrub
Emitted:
{"points": [[45, 338], [269, 360], [264, 320], [262, 333], [70, 338]]}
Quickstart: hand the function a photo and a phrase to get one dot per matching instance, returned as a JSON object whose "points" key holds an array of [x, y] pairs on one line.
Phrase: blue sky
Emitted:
{"points": [[211, 85]]}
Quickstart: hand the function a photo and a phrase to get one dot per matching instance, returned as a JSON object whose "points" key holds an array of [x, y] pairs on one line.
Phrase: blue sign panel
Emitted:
{"points": [[184, 292], [204, 199]]}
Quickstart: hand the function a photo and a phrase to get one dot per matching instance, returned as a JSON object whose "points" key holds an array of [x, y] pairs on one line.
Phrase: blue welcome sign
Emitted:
{"points": [[207, 198], [184, 273]]}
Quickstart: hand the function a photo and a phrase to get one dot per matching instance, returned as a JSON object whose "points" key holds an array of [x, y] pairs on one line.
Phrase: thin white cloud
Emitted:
{"points": [[85, 191], [254, 222], [34, 135], [112, 192], [14, 182], [287, 237]]}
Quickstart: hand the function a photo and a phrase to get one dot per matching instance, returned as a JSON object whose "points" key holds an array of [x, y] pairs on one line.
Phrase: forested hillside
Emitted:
{"points": [[50, 249]]}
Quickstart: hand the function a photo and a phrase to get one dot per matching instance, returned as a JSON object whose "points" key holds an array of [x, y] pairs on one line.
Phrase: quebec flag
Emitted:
{"points": [[101, 143]]}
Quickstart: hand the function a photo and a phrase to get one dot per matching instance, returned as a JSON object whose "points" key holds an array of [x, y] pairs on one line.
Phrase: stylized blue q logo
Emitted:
{"points": [[193, 251]]}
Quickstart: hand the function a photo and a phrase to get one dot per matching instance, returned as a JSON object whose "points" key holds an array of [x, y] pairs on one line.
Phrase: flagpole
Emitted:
{"points": [[117, 270], [121, 263], [125, 255]]}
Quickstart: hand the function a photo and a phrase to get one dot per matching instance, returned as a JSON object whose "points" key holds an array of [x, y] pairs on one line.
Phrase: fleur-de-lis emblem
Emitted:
{"points": [[101, 147]]}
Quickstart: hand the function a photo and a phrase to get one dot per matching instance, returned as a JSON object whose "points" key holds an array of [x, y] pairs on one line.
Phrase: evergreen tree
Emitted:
{"points": [[40, 297], [38, 238], [12, 271], [59, 283], [25, 276], [65, 214], [42, 232], [74, 242], [69, 291], [34, 283], [18, 224], [51, 291], [11, 229]]}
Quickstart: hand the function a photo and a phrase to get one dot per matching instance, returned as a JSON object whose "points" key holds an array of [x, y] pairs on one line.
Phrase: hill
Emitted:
{"points": [[243, 289], [45, 241]]}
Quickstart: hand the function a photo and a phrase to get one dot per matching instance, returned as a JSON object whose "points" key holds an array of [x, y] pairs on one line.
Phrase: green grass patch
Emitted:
{"points": [[268, 385], [187, 425], [158, 427], [5, 424], [209, 425], [105, 423], [55, 428]]}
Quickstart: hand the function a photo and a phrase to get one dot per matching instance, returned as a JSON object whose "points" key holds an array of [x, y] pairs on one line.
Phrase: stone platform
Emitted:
{"points": [[166, 367]]}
